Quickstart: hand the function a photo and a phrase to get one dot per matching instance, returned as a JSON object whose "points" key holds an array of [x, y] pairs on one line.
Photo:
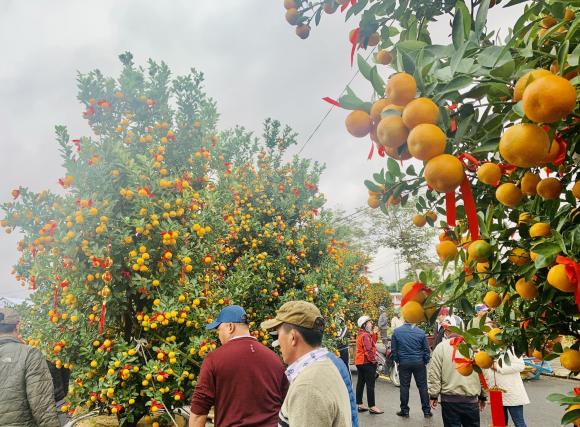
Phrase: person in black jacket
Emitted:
{"points": [[60, 379]]}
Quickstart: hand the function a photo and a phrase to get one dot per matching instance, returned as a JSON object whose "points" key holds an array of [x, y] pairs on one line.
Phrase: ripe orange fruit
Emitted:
{"points": [[558, 278], [508, 194], [492, 299], [431, 215], [540, 229], [492, 281], [418, 297], [392, 132], [549, 99], [289, 4], [401, 88], [526, 79], [413, 312], [482, 267], [489, 173], [425, 141], [479, 250], [464, 369], [553, 152], [398, 153], [419, 111], [569, 14], [303, 31], [570, 360], [483, 360], [419, 220], [377, 109], [519, 256], [492, 335], [529, 183], [549, 188], [576, 189], [292, 16], [374, 39], [549, 21], [444, 173], [373, 202], [446, 250], [533, 256], [383, 57], [330, 8], [526, 290], [524, 145], [538, 354], [358, 123]]}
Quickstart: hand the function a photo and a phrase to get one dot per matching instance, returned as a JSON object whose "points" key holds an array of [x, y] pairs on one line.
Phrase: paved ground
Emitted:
{"points": [[540, 413]]}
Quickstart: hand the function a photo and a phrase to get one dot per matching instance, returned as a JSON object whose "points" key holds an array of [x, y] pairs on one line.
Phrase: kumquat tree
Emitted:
{"points": [[161, 223], [492, 121]]}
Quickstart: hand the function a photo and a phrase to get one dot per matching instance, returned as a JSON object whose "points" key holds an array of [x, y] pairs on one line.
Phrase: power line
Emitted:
{"points": [[358, 211], [332, 106]]}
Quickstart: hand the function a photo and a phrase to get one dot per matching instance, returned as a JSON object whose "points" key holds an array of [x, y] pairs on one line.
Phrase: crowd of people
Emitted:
{"points": [[247, 384]]}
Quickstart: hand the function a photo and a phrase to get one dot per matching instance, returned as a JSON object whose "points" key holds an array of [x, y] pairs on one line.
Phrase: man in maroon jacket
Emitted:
{"points": [[242, 379]]}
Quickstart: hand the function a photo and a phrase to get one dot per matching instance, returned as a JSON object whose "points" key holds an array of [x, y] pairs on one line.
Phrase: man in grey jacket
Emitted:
{"points": [[383, 324], [26, 391]]}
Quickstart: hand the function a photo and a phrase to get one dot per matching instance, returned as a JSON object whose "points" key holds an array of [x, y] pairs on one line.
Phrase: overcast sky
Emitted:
{"points": [[254, 64]]}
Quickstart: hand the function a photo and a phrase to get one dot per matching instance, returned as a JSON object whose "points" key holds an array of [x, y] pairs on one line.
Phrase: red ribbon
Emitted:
{"points": [[450, 209], [346, 5], [497, 412], [102, 319], [506, 168], [331, 101], [470, 211], [353, 40], [417, 287], [370, 156], [381, 151], [573, 273], [562, 153]]}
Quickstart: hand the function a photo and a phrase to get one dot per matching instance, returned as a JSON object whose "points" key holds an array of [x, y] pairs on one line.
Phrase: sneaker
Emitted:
{"points": [[403, 414]]}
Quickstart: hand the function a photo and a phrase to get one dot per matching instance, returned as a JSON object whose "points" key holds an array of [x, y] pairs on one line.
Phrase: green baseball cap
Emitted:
{"points": [[8, 316], [298, 313]]}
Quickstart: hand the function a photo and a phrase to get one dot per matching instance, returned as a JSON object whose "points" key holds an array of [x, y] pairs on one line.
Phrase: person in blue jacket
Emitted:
{"points": [[411, 351], [345, 374]]}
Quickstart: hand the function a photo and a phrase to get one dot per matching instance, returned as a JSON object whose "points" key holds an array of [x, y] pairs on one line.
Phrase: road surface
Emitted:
{"points": [[540, 413]]}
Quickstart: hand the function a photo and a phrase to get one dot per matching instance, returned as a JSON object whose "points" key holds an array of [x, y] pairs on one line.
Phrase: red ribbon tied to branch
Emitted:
{"points": [[346, 5], [471, 163], [353, 41], [496, 404], [416, 288], [573, 273]]}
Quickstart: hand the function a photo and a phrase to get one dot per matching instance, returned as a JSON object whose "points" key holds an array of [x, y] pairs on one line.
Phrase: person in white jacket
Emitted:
{"points": [[507, 377]]}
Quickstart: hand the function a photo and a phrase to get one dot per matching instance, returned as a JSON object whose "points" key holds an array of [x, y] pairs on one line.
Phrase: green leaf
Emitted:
{"points": [[570, 416], [411, 171], [393, 167], [563, 55], [378, 177], [377, 82], [364, 67], [456, 84], [481, 17], [493, 56], [518, 109], [372, 186], [458, 34], [352, 102], [457, 58]]}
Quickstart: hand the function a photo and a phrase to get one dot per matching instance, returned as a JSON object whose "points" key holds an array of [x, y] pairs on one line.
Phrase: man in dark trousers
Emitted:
{"points": [[244, 380], [411, 352]]}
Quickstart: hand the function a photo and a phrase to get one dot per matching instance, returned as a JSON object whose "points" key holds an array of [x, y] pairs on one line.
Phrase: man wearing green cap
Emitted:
{"points": [[26, 393], [318, 394]]}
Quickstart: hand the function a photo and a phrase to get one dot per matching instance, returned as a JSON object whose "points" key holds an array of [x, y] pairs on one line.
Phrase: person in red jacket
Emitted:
{"points": [[366, 364]]}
